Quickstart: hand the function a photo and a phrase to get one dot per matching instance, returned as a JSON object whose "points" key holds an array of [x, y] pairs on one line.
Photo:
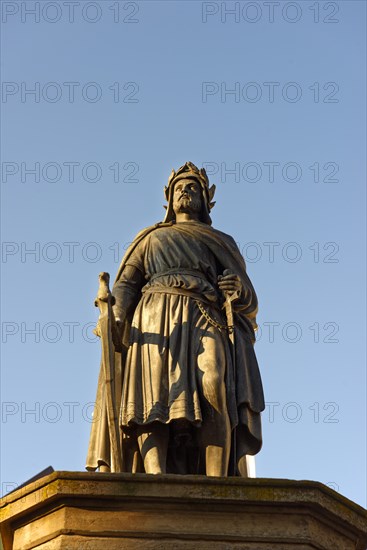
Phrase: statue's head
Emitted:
{"points": [[188, 190]]}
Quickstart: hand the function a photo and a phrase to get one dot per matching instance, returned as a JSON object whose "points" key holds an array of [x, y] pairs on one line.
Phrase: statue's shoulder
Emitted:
{"points": [[148, 230], [139, 239], [225, 237]]}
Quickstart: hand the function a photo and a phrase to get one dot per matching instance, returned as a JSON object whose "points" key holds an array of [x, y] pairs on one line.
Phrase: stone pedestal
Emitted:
{"points": [[93, 511]]}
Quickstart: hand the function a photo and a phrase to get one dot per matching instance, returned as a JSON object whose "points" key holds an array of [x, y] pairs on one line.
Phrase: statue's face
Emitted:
{"points": [[187, 196]]}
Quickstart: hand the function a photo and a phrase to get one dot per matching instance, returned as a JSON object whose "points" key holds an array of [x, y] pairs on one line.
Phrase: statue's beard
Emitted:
{"points": [[187, 205]]}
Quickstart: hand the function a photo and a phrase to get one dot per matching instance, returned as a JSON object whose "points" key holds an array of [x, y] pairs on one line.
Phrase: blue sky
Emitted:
{"points": [[271, 99]]}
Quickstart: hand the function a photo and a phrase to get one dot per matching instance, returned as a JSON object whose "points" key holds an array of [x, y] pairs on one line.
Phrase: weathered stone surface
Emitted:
{"points": [[179, 374], [88, 511]]}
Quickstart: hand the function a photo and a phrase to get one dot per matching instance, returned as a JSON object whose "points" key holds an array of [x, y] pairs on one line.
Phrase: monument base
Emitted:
{"points": [[96, 511]]}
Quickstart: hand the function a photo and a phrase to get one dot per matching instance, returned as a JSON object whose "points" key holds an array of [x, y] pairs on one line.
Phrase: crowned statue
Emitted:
{"points": [[179, 389]]}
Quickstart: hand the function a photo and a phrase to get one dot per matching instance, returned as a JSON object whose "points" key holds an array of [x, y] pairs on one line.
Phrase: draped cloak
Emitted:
{"points": [[166, 336]]}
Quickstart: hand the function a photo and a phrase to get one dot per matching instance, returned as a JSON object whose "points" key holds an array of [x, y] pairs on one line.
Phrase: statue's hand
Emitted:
{"points": [[230, 283], [117, 330]]}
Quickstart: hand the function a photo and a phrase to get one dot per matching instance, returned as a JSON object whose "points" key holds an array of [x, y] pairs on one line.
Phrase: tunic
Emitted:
{"points": [[169, 336]]}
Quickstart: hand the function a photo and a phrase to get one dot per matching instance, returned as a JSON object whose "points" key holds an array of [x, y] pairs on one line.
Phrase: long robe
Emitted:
{"points": [[167, 337]]}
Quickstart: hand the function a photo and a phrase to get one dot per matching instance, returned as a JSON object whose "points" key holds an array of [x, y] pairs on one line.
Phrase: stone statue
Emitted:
{"points": [[185, 376]]}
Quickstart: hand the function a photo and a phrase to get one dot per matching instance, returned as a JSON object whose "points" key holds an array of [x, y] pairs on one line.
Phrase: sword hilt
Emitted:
{"points": [[104, 293]]}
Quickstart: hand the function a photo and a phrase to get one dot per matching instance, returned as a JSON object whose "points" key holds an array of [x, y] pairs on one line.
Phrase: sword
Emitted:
{"points": [[230, 297], [105, 328], [248, 468]]}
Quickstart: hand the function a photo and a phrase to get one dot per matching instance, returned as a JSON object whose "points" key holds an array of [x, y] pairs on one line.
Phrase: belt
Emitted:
{"points": [[179, 271]]}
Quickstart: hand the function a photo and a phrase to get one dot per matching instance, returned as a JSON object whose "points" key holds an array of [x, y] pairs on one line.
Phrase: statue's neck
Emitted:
{"points": [[187, 217]]}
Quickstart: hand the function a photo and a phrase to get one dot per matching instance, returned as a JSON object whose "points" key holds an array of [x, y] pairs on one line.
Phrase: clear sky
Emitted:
{"points": [[270, 97]]}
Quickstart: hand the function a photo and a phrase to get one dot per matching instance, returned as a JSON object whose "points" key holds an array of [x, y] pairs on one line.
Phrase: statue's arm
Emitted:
{"points": [[247, 298], [127, 292], [246, 306]]}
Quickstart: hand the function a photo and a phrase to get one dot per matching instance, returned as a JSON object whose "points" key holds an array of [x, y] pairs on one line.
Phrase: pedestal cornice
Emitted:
{"points": [[67, 509]]}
